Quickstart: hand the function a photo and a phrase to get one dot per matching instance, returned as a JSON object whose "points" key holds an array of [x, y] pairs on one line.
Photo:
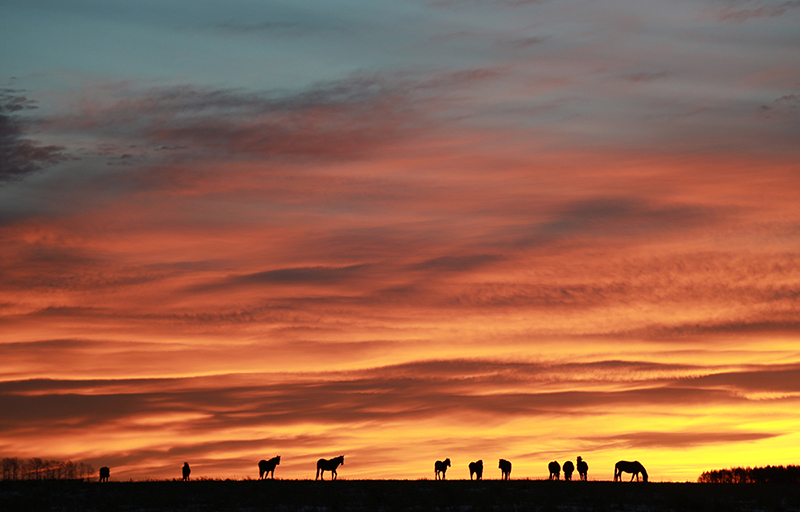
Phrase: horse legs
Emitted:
{"points": [[333, 474]]}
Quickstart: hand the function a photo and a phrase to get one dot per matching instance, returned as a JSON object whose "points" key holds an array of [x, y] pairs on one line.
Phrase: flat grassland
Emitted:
{"points": [[393, 495]]}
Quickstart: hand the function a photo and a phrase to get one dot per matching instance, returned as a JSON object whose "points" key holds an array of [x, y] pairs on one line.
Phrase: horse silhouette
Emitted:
{"points": [[505, 468], [555, 470], [583, 468], [634, 468], [268, 466], [477, 469], [104, 474], [440, 468], [324, 465], [186, 471], [568, 468]]}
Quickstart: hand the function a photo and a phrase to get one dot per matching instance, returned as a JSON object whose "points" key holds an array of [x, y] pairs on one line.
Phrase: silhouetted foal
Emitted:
{"points": [[186, 471], [268, 466], [104, 474], [568, 468], [505, 468], [440, 468], [324, 465], [477, 469], [555, 470], [583, 469]]}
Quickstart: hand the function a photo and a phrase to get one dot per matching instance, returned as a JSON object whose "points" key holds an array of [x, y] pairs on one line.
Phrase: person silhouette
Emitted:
{"points": [[186, 471]]}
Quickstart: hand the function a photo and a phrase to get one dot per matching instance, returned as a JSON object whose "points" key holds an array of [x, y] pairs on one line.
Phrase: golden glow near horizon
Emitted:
{"points": [[558, 231]]}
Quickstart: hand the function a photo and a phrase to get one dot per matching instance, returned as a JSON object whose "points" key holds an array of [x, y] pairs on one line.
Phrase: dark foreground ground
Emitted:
{"points": [[393, 495]]}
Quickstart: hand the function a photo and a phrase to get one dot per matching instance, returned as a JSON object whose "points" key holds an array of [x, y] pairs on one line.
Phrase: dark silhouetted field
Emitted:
{"points": [[393, 495]]}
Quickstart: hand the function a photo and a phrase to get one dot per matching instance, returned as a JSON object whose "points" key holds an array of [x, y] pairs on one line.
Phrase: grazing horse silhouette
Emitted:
{"points": [[104, 474], [268, 466], [568, 468], [634, 468], [186, 471], [440, 468], [477, 468], [583, 469], [505, 468], [555, 470], [324, 465]]}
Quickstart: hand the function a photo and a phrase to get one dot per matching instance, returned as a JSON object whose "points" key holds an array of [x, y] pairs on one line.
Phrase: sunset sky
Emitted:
{"points": [[400, 231]]}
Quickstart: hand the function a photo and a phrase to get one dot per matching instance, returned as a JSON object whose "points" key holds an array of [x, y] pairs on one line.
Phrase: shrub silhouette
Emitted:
{"points": [[36, 468], [748, 475]]}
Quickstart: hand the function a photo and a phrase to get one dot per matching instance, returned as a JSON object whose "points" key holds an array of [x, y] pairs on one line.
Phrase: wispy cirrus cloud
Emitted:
{"points": [[675, 440], [297, 407], [428, 388]]}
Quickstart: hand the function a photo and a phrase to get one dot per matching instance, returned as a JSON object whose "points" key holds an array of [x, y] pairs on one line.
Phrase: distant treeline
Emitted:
{"points": [[768, 474], [37, 468]]}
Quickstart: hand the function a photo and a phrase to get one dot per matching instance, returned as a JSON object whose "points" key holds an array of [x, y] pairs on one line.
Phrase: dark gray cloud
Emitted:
{"points": [[787, 106], [645, 76], [303, 275], [747, 10], [456, 263], [320, 275], [627, 217], [20, 155], [335, 119], [270, 27], [485, 3]]}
